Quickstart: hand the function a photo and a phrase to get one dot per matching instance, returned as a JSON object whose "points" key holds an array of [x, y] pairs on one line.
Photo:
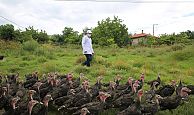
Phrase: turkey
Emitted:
{"points": [[60, 101], [141, 81], [83, 111], [167, 90], [191, 87], [31, 80], [96, 87], [172, 102], [178, 89], [134, 109], [80, 98], [4, 99], [93, 107], [157, 80], [11, 110], [125, 100], [29, 108], [42, 109], [151, 108]]}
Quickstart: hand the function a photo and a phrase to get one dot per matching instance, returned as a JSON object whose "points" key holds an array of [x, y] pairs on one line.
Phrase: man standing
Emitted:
{"points": [[87, 47]]}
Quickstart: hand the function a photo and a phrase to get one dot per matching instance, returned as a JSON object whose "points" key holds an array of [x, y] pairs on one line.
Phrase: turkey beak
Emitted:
{"points": [[17, 98], [88, 111]]}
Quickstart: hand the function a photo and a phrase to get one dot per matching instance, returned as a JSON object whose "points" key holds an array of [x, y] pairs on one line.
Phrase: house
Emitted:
{"points": [[138, 38]]}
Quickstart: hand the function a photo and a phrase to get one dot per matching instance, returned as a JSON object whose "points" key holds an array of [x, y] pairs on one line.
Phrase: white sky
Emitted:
{"points": [[52, 16]]}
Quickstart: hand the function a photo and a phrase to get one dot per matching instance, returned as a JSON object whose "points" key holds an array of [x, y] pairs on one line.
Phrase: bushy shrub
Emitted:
{"points": [[99, 60], [81, 69], [177, 47], [100, 70], [45, 51], [80, 59], [41, 59], [30, 46], [120, 64], [7, 32], [4, 45], [50, 67], [14, 69]]}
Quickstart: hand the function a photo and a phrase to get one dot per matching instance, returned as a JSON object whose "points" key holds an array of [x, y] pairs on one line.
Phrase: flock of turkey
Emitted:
{"points": [[77, 96]]}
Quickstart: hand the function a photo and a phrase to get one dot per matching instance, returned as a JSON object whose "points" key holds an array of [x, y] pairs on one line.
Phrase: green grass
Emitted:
{"points": [[172, 62]]}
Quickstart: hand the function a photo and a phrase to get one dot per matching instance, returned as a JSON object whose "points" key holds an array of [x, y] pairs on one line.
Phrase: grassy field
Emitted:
{"points": [[172, 62]]}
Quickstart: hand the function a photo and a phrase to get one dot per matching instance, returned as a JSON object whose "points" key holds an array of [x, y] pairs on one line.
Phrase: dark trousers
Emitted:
{"points": [[88, 59]]}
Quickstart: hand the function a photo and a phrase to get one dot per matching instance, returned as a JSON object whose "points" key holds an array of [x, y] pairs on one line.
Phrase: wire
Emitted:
{"points": [[12, 22]]}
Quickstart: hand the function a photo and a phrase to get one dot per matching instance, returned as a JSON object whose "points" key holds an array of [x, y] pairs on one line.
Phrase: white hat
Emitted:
{"points": [[89, 32]]}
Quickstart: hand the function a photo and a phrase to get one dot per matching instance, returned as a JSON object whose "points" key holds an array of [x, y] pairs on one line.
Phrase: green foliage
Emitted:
{"points": [[68, 36], [121, 65], [171, 39], [138, 64], [177, 47], [4, 45], [150, 40], [190, 34], [42, 59], [7, 32], [22, 36], [182, 37], [80, 59], [14, 69], [81, 69], [111, 31], [183, 55], [28, 58], [41, 36], [167, 39], [30, 45], [57, 38], [50, 67], [100, 71], [99, 60]]}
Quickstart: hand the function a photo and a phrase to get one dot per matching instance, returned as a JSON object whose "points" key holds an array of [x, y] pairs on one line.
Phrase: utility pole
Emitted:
{"points": [[153, 28]]}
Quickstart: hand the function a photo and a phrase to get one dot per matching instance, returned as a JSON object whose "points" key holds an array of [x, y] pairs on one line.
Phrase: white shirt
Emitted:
{"points": [[87, 45]]}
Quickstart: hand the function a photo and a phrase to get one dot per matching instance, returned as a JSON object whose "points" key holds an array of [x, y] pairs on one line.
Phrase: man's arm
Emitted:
{"points": [[83, 44]]}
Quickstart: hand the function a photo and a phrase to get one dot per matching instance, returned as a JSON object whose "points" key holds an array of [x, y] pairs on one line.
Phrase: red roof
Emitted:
{"points": [[139, 35]]}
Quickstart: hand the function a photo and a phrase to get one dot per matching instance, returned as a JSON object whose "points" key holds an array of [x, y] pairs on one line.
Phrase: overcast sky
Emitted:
{"points": [[52, 16]]}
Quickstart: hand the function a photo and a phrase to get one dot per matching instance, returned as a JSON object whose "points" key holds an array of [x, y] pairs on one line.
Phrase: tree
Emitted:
{"points": [[57, 38], [40, 37], [22, 36], [7, 32], [111, 31], [190, 34], [70, 36], [182, 37]]}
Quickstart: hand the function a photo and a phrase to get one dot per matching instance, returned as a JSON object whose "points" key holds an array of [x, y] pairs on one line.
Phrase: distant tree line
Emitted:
{"points": [[107, 32], [170, 39]]}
